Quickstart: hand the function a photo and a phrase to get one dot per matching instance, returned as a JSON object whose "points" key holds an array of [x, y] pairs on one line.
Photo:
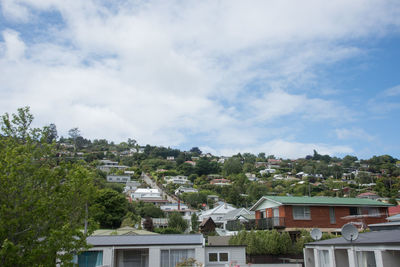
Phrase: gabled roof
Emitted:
{"points": [[220, 209], [320, 201], [234, 214], [205, 221]]}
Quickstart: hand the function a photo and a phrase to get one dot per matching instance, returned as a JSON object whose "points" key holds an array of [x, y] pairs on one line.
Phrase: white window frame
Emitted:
{"points": [[374, 212], [218, 256], [306, 213]]}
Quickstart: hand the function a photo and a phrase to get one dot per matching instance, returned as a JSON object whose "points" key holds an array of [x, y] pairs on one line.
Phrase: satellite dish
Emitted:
{"points": [[316, 234], [349, 232]]}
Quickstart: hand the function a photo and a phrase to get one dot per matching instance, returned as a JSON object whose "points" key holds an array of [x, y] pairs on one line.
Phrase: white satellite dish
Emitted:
{"points": [[316, 234], [349, 232]]}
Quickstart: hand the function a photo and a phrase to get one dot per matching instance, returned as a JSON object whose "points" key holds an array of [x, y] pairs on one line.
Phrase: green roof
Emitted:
{"points": [[327, 201]]}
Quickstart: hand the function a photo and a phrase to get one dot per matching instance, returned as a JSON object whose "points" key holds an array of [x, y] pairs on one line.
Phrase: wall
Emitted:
{"points": [[237, 255], [320, 218], [276, 264]]}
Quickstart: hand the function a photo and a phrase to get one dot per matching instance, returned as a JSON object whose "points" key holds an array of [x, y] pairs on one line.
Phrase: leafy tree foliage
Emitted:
{"points": [[176, 221], [111, 207], [43, 201], [232, 166], [195, 222], [147, 210], [195, 150], [205, 167]]}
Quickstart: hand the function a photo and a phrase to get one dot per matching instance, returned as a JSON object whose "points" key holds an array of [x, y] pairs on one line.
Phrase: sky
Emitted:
{"points": [[280, 77]]}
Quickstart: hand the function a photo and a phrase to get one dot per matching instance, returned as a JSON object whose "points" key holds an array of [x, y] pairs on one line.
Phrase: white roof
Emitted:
{"points": [[146, 190], [223, 208]]}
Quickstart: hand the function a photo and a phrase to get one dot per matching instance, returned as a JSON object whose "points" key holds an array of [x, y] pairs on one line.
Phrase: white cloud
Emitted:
{"points": [[161, 72], [289, 149], [14, 47], [15, 10], [353, 133], [393, 91]]}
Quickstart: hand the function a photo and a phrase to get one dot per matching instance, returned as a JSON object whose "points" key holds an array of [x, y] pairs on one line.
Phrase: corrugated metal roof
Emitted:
{"points": [[145, 240], [327, 201], [386, 237]]}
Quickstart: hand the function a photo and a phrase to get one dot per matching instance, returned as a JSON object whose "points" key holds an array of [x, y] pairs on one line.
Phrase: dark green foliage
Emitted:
{"points": [[176, 221], [205, 166], [263, 242], [111, 207], [232, 166], [147, 210], [195, 222], [167, 231]]}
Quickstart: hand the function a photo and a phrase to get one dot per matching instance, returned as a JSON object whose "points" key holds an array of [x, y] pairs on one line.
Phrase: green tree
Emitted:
{"points": [[175, 220], [44, 202], [232, 166], [195, 222], [111, 207]]}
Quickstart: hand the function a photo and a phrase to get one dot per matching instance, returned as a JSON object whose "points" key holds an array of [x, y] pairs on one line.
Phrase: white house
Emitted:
{"points": [[148, 195], [217, 213], [157, 251], [370, 249], [236, 214], [267, 171], [180, 179], [183, 189], [131, 186]]}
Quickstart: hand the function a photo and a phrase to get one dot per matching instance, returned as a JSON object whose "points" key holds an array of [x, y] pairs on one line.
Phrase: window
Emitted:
{"points": [[223, 256], [90, 259], [373, 212], [301, 213], [355, 211], [218, 257], [365, 259], [323, 258], [332, 215], [169, 258], [212, 257]]}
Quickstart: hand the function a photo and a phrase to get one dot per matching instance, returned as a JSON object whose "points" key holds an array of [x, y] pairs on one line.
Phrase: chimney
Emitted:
{"points": [[225, 205], [179, 204]]}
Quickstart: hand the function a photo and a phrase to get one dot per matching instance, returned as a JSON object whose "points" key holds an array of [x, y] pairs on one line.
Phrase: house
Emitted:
{"points": [[207, 226], [148, 195], [179, 179], [327, 213], [191, 162], [131, 186], [237, 215], [392, 224], [252, 177], [183, 189], [220, 182], [377, 248], [368, 195], [118, 178], [267, 171], [217, 213], [394, 210], [108, 165], [157, 251], [259, 164], [171, 158]]}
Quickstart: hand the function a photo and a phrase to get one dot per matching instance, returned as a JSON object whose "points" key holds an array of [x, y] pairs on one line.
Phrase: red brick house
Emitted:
{"points": [[327, 213]]}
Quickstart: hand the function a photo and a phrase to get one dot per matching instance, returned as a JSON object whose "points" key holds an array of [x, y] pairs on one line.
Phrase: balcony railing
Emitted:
{"points": [[256, 224]]}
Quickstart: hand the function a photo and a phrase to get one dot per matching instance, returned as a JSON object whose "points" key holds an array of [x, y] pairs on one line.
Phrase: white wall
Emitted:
{"points": [[237, 255]]}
